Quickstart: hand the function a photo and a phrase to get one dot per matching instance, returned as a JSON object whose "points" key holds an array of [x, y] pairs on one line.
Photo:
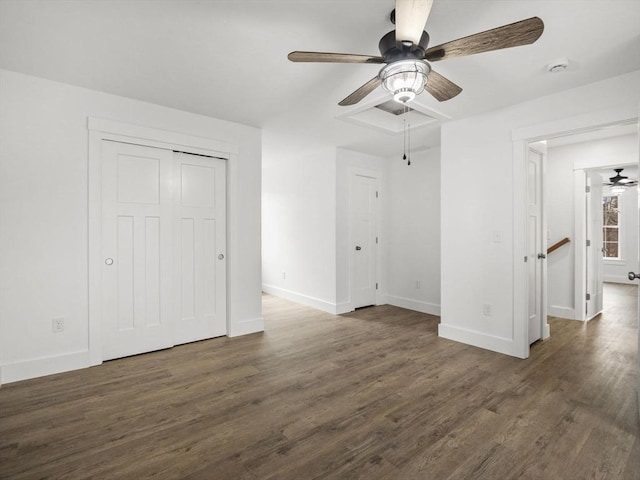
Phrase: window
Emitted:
{"points": [[611, 226]]}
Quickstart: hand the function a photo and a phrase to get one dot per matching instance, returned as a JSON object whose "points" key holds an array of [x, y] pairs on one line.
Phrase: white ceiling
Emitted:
{"points": [[228, 59]]}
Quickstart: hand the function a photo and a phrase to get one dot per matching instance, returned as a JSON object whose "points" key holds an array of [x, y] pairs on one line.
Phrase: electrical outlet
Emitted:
{"points": [[417, 284], [486, 310], [57, 325]]}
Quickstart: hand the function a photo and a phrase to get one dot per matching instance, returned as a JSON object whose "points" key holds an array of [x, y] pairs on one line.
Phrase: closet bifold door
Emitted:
{"points": [[137, 225], [199, 247]]}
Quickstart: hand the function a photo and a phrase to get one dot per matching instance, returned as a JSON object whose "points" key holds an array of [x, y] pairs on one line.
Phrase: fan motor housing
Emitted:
{"points": [[393, 51]]}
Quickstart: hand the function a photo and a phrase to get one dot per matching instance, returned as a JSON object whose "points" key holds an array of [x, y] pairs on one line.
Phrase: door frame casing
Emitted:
{"points": [[102, 129]]}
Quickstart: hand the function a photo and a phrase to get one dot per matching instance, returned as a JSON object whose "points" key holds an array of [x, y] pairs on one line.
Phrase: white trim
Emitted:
{"points": [[615, 262], [520, 321], [544, 228], [307, 300], [623, 114], [246, 327], [154, 137], [14, 372], [100, 130], [579, 251], [482, 340], [618, 279], [345, 307], [561, 312], [599, 163], [415, 305]]}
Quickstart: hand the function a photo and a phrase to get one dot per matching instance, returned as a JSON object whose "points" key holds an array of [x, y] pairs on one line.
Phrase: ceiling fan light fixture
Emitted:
{"points": [[405, 79]]}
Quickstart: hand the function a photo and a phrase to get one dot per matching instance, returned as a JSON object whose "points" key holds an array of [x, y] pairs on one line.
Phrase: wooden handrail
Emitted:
{"points": [[557, 245]]}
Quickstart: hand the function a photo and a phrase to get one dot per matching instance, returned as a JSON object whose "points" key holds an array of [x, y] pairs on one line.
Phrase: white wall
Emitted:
{"points": [[480, 158], [619, 150], [412, 232], [299, 226], [44, 224]]}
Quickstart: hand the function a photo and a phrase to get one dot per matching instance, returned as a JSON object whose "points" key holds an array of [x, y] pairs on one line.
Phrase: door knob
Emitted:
{"points": [[109, 261], [633, 276], [221, 257], [542, 255], [358, 247]]}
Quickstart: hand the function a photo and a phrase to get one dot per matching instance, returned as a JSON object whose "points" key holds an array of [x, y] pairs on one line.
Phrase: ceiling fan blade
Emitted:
{"points": [[515, 34], [362, 92], [411, 17], [440, 87], [333, 57]]}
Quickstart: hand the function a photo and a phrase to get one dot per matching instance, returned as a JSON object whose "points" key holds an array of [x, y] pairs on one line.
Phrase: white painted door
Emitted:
{"points": [[363, 218], [200, 248], [594, 245], [638, 312], [536, 246], [136, 248]]}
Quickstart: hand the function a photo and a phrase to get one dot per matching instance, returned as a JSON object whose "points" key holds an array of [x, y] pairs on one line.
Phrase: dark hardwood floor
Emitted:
{"points": [[374, 395]]}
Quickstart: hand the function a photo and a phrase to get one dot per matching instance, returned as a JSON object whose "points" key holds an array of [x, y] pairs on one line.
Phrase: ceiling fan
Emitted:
{"points": [[406, 54], [619, 180]]}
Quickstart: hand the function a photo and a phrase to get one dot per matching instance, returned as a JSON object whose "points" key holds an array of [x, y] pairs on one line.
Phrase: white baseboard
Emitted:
{"points": [[561, 312], [343, 307], [478, 339], [14, 372], [415, 305], [305, 299], [246, 327], [546, 331]]}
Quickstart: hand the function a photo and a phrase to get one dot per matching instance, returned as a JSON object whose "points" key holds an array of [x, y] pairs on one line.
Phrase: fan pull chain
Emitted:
{"points": [[409, 140], [404, 133]]}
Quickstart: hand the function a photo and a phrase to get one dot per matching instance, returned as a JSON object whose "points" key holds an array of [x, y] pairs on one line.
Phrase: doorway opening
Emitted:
{"points": [[578, 168]]}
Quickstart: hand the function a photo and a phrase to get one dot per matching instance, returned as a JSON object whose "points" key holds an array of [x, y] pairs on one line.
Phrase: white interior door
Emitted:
{"points": [[536, 246], [638, 311], [200, 247], [136, 248], [363, 197], [594, 245]]}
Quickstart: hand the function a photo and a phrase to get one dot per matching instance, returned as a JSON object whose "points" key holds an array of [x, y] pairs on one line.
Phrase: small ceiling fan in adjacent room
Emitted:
{"points": [[406, 53], [618, 183]]}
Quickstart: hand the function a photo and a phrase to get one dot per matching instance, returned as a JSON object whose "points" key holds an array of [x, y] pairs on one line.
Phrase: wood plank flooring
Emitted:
{"points": [[374, 394]]}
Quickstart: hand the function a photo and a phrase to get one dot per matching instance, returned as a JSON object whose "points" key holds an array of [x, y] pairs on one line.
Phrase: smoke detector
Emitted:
{"points": [[559, 65]]}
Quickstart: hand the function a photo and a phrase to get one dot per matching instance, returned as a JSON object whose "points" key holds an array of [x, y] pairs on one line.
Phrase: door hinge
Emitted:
{"points": [[376, 194], [588, 243], [376, 239], [587, 189], [376, 285], [588, 296], [526, 259]]}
